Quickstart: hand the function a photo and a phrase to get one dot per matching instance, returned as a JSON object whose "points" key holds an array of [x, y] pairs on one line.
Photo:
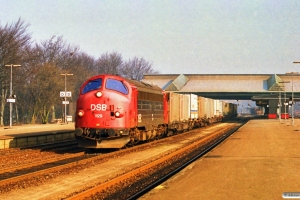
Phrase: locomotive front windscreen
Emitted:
{"points": [[92, 85], [117, 85]]}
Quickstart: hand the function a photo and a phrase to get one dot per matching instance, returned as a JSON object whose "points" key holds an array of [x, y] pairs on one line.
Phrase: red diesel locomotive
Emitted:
{"points": [[112, 112]]}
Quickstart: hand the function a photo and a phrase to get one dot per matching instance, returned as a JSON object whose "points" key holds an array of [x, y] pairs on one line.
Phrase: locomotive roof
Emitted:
{"points": [[145, 87]]}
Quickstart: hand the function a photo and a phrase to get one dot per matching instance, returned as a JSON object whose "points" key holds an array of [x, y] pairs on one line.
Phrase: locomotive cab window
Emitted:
{"points": [[116, 85], [92, 85]]}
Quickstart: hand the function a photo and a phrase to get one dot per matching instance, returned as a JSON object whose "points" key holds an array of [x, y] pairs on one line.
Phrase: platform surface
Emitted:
{"points": [[260, 161], [20, 131]]}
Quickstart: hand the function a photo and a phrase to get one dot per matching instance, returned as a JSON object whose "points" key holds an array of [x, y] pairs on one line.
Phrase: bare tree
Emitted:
{"points": [[44, 92], [136, 68], [38, 82], [46, 62], [42, 72], [109, 63], [13, 39]]}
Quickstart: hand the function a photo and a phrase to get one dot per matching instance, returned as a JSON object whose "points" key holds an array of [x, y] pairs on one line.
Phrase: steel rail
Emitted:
{"points": [[105, 186], [41, 162], [63, 166], [44, 171]]}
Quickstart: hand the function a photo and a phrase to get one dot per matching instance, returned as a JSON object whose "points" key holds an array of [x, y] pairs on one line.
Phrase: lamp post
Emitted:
{"points": [[279, 105], [10, 93], [292, 73], [65, 95], [284, 99], [279, 88]]}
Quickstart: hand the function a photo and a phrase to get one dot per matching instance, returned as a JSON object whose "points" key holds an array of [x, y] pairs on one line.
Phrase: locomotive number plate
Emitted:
{"points": [[98, 115]]}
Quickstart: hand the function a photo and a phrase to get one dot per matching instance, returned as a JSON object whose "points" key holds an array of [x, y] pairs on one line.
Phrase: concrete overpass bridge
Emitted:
{"points": [[266, 90]]}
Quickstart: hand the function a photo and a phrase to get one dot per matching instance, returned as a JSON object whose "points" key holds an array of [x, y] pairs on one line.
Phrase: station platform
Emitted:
{"points": [[259, 161], [30, 135]]}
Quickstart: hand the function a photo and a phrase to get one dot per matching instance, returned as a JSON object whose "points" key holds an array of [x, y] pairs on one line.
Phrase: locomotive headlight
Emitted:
{"points": [[117, 114], [98, 94], [80, 113]]}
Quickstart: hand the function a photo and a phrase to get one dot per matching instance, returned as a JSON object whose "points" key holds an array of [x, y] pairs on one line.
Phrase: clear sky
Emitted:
{"points": [[178, 37]]}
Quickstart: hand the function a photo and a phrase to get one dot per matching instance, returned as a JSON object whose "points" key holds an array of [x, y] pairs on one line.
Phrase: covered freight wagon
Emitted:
{"points": [[229, 110], [179, 111], [193, 106], [218, 108]]}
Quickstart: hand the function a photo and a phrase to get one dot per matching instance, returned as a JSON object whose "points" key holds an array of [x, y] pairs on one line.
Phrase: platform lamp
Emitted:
{"points": [[292, 73], [66, 74], [10, 100], [279, 88], [284, 98]]}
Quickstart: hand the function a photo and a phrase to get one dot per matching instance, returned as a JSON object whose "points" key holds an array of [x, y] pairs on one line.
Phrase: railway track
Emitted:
{"points": [[35, 172], [29, 172], [16, 159], [36, 165], [134, 184], [131, 170]]}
